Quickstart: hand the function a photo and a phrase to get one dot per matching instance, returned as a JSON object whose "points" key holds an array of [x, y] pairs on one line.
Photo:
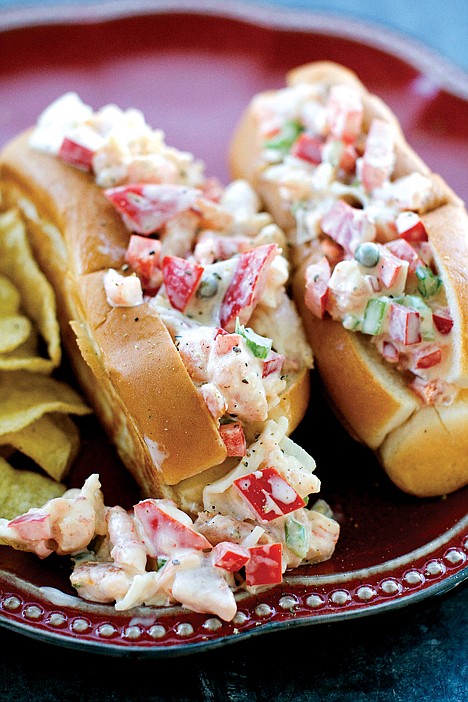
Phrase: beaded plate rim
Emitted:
{"points": [[299, 601]]}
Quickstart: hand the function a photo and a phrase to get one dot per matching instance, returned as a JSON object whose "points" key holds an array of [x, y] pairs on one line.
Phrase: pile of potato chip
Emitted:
{"points": [[35, 407]]}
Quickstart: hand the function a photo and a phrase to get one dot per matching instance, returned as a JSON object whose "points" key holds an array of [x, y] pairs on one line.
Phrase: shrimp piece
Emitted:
{"points": [[349, 289], [324, 535], [155, 587], [28, 532], [101, 582], [188, 578], [77, 518], [145, 589], [241, 200], [206, 589], [194, 346], [214, 400], [211, 246], [212, 215], [238, 375], [64, 524], [122, 291], [132, 152], [219, 527], [179, 235], [151, 168], [127, 548], [276, 279]]}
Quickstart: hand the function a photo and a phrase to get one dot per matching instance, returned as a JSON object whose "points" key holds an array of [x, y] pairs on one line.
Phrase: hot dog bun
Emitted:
{"points": [[124, 357], [424, 449]]}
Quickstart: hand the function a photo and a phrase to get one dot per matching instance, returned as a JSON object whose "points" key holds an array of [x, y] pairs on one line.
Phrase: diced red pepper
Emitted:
{"points": [[76, 154], [163, 532], [404, 251], [388, 270], [146, 207], [265, 565], [348, 158], [234, 438], [345, 224], [247, 285], [268, 494], [379, 155], [344, 112], [181, 278], [340, 154], [308, 148], [425, 356], [410, 227], [143, 256], [231, 557], [316, 287], [442, 320], [32, 526], [273, 363], [333, 251], [404, 324]]}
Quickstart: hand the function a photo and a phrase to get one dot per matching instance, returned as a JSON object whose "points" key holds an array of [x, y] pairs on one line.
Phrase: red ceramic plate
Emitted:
{"points": [[192, 68]]}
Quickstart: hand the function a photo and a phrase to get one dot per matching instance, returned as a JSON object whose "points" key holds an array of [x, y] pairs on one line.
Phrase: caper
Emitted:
{"points": [[208, 286], [367, 254]]}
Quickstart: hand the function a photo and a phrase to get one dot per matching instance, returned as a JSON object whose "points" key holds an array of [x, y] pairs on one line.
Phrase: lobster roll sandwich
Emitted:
{"points": [[379, 250], [171, 293]]}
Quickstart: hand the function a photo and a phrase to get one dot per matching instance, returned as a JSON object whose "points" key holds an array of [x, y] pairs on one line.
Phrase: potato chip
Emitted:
{"points": [[21, 490], [10, 297], [25, 397], [34, 407], [6, 451], [14, 330], [24, 356], [52, 442], [17, 263]]}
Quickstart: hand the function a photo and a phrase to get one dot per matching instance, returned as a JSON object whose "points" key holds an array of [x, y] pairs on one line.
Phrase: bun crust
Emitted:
{"points": [[424, 450]]}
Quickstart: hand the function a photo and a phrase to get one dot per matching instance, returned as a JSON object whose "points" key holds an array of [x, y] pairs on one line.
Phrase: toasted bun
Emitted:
{"points": [[124, 358], [428, 454], [423, 449]]}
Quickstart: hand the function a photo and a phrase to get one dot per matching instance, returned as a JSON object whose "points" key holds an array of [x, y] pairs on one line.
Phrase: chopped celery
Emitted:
{"points": [[286, 138], [259, 345], [428, 282], [374, 315], [351, 322], [296, 537], [323, 507]]}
